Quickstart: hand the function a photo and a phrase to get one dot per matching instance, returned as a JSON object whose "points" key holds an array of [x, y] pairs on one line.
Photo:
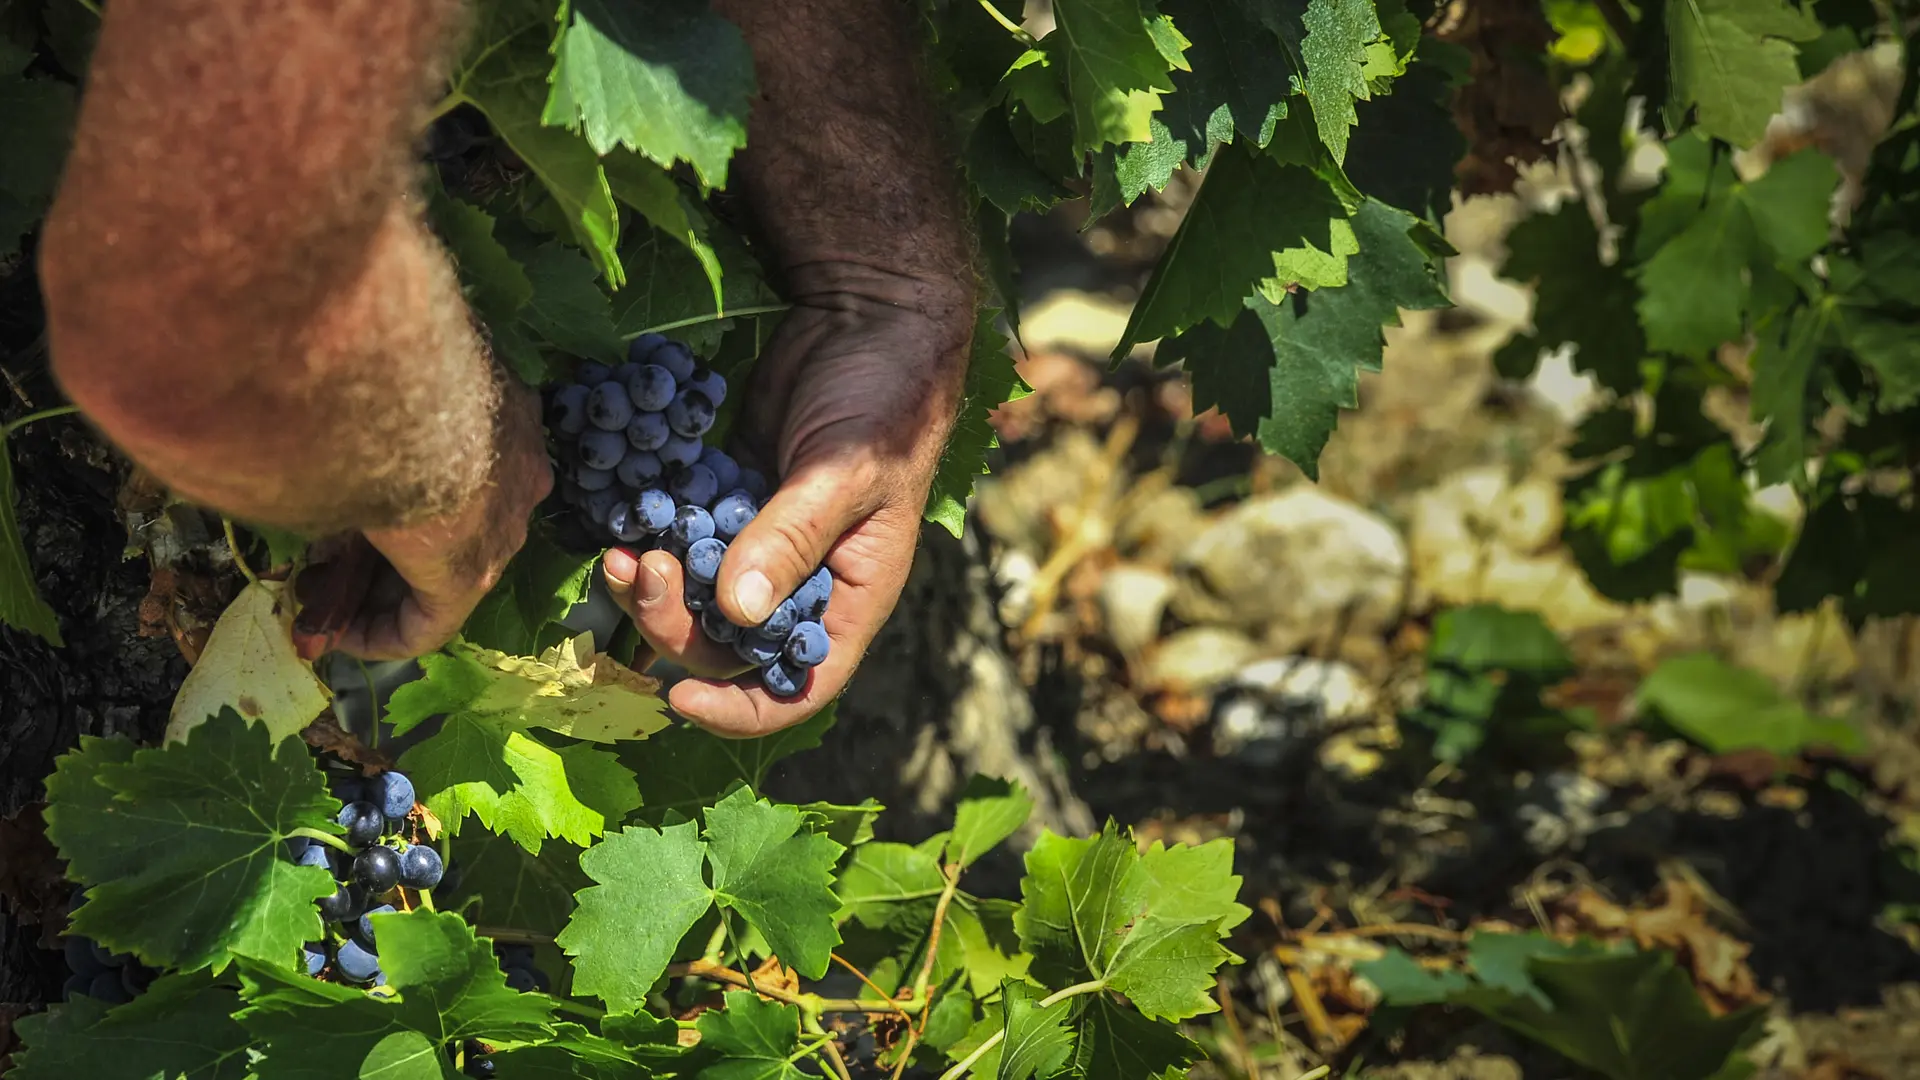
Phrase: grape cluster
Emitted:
{"points": [[635, 468], [374, 813], [108, 977]]}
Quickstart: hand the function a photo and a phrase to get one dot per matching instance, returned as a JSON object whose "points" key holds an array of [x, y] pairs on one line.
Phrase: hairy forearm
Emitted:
{"points": [[238, 290]]}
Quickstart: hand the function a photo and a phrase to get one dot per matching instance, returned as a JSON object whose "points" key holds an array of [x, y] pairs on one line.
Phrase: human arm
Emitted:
{"points": [[241, 294], [847, 173]]}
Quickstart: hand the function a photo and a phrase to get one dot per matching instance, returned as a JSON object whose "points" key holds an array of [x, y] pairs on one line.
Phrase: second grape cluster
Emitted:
{"points": [[635, 467]]}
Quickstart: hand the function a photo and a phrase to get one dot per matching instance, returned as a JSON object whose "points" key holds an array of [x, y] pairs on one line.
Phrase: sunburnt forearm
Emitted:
{"points": [[238, 289]]}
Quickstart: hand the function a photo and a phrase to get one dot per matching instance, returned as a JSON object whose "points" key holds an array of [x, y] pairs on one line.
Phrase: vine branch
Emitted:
{"points": [[44, 414]]}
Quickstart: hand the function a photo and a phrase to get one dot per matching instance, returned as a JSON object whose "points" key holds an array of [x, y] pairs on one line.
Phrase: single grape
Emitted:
{"points": [[757, 648], [105, 957], [521, 979], [691, 414], [710, 383], [651, 387], [716, 626], [783, 681], [571, 492], [377, 869], [698, 595], [726, 471], [680, 450], [624, 373], [694, 484], [363, 930], [356, 963], [568, 412], [813, 594], [345, 903], [347, 787], [591, 480], [608, 407], [76, 985], [363, 821], [640, 350], [592, 373], [106, 988], [782, 621], [640, 469], [808, 644], [623, 521], [394, 793], [479, 1068], [315, 855], [420, 867], [731, 514], [80, 958], [136, 978], [754, 484], [598, 505], [690, 523], [514, 954], [314, 956], [602, 449], [676, 358], [656, 510], [703, 559], [540, 980], [648, 431]]}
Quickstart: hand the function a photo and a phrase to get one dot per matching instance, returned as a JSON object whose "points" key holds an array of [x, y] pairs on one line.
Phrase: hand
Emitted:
{"points": [[853, 400], [393, 594]]}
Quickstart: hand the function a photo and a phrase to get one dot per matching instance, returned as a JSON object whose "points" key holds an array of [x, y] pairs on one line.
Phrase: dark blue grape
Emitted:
{"points": [[347, 787], [377, 869], [676, 358], [640, 350], [598, 504], [716, 626], [568, 413], [726, 471], [651, 387], [394, 792], [808, 644], [80, 958], [731, 514], [812, 595], [104, 957], [698, 595], [571, 492], [690, 523], [346, 903], [363, 930], [315, 855], [691, 414], [757, 648], [106, 987], [363, 821], [608, 407], [481, 1068], [656, 510], [782, 621], [136, 978], [521, 979], [783, 681], [355, 963], [624, 373], [592, 373], [589, 480], [648, 431], [602, 449], [420, 867], [709, 383], [680, 450], [623, 521], [754, 484], [514, 954], [640, 469], [694, 485], [314, 956], [703, 559], [76, 986]]}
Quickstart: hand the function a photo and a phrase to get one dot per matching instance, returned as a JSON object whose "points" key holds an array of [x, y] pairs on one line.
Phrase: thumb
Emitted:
{"points": [[788, 540]]}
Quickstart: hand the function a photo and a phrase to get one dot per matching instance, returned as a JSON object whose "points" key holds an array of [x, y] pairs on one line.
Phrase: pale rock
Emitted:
{"points": [[1198, 657], [1297, 563], [1133, 600], [1156, 527], [1270, 704]]}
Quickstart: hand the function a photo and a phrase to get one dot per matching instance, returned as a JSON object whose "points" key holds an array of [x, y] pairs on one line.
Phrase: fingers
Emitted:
{"points": [[332, 589], [791, 536], [651, 590]]}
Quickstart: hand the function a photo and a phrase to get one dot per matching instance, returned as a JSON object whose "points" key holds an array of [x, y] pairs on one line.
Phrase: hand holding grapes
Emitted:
{"points": [[851, 406]]}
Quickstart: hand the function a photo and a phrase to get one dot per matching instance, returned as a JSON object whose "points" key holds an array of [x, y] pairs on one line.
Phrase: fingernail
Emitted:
{"points": [[753, 595], [621, 564], [652, 586]]}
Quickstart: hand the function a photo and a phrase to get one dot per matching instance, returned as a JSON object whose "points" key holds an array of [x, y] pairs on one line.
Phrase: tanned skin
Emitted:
{"points": [[241, 294]]}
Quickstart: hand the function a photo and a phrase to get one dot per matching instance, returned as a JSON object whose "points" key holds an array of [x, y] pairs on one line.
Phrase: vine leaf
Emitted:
{"points": [[1038, 1040], [567, 309], [250, 665], [1335, 53], [183, 844], [494, 282], [1113, 1041], [1726, 708], [1149, 925], [777, 875], [991, 381], [523, 612], [990, 810], [181, 1028], [36, 125], [1733, 60], [1111, 65], [515, 888], [448, 987], [668, 78], [649, 892], [651, 190], [504, 75], [574, 1053], [1284, 371], [1232, 70], [1405, 145], [20, 602], [756, 1038], [1577, 299], [685, 769], [1250, 207], [1784, 355], [569, 688], [894, 889]]}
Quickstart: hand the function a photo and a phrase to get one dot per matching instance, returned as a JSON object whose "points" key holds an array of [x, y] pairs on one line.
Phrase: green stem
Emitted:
{"points": [[1091, 987], [830, 1048], [326, 838], [1013, 28], [43, 414], [808, 1050], [446, 105], [90, 6], [718, 316], [577, 1009], [233, 545], [510, 936]]}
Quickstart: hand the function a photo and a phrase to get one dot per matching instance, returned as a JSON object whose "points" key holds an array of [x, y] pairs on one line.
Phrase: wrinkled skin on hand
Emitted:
{"points": [[852, 403], [392, 594]]}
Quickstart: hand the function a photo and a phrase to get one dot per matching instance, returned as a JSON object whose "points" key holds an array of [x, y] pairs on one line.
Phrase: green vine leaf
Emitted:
{"points": [[568, 688], [685, 769], [1038, 1041], [36, 125], [567, 309], [1731, 60], [573, 1054], [511, 887], [20, 602], [651, 190], [649, 892], [1111, 66], [776, 875], [183, 845], [990, 810], [495, 283], [991, 382], [757, 1039], [521, 615], [668, 78], [1113, 1041], [1335, 53], [181, 1028], [1233, 75]]}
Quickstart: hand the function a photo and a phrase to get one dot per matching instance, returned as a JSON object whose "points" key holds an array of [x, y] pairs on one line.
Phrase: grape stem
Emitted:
{"points": [[233, 545], [509, 936], [718, 316], [1012, 27], [1091, 987], [951, 872], [326, 838], [44, 414], [831, 1048], [811, 1004]]}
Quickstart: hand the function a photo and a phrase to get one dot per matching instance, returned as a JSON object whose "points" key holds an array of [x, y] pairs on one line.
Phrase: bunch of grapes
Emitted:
{"points": [[374, 813], [635, 467], [108, 977]]}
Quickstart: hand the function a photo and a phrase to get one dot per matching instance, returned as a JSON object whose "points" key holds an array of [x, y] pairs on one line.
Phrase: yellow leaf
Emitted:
{"points": [[575, 691], [250, 664]]}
